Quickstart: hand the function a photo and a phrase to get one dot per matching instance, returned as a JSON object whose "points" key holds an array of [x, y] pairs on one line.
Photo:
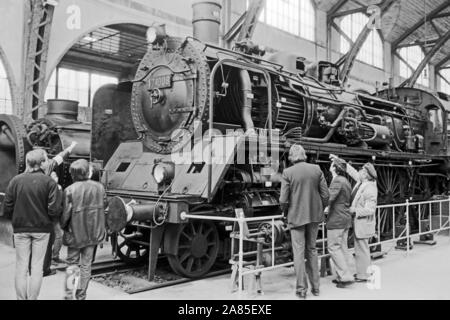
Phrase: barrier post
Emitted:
{"points": [[241, 255], [273, 242], [448, 219], [407, 228]]}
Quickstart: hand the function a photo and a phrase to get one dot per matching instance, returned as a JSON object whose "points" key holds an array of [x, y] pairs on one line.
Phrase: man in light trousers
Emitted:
{"points": [[31, 203]]}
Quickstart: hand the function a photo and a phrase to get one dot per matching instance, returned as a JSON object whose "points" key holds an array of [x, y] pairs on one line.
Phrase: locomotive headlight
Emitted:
{"points": [[156, 34], [159, 173], [163, 172], [151, 35]]}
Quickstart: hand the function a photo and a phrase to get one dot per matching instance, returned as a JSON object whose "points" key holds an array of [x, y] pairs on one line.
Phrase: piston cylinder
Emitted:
{"points": [[121, 213]]}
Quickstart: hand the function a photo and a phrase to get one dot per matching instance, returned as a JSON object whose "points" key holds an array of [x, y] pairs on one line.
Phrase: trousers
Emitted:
{"points": [[338, 249], [362, 258], [34, 245], [83, 258], [304, 246]]}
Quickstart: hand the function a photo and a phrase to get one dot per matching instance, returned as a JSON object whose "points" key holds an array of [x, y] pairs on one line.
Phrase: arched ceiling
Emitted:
{"points": [[407, 23]]}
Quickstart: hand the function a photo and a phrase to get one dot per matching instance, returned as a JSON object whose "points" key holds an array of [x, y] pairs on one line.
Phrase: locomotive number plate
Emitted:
{"points": [[160, 82]]}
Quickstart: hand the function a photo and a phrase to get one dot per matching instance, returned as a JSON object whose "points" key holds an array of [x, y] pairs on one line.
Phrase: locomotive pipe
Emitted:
{"points": [[6, 138], [246, 85], [330, 133], [326, 100]]}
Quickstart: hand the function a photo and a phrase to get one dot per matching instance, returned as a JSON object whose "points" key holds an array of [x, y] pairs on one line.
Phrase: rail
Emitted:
{"points": [[430, 217]]}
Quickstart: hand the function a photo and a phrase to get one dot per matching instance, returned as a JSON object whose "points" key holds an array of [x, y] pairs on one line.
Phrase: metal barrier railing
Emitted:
{"points": [[383, 213]]}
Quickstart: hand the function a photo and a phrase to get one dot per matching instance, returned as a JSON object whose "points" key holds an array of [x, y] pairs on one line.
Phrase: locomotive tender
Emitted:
{"points": [[190, 88]]}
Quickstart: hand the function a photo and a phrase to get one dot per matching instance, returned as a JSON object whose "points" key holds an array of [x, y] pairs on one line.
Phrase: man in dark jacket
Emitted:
{"points": [[304, 192], [31, 202], [55, 242], [83, 221], [339, 221]]}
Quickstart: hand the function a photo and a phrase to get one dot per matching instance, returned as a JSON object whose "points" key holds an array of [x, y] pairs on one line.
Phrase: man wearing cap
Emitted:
{"points": [[304, 194], [364, 204], [339, 221]]}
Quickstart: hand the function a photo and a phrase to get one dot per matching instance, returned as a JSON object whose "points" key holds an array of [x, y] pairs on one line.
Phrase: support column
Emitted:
{"points": [[36, 59]]}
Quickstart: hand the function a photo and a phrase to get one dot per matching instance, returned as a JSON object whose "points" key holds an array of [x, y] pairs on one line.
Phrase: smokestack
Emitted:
{"points": [[206, 20], [62, 109]]}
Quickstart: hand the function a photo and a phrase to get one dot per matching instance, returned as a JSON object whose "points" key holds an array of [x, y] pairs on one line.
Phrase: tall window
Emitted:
{"points": [[413, 56], [76, 85], [371, 51], [5, 93], [445, 85], [293, 16]]}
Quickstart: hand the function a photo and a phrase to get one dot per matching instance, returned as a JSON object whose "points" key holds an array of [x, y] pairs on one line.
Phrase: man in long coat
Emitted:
{"points": [[304, 193]]}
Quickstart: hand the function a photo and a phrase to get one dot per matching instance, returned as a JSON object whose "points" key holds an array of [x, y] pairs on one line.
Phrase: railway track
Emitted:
{"points": [[117, 274], [178, 281], [105, 267]]}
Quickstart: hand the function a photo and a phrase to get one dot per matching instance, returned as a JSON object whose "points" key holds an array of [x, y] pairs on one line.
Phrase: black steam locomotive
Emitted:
{"points": [[194, 98], [192, 95]]}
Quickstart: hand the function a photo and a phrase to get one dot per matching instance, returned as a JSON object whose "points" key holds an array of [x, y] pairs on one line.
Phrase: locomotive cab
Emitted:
{"points": [[431, 109]]}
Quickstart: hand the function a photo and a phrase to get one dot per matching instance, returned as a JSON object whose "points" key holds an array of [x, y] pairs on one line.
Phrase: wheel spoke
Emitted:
{"points": [[186, 236], [200, 228], [208, 232], [198, 263], [128, 252], [189, 264], [184, 256]]}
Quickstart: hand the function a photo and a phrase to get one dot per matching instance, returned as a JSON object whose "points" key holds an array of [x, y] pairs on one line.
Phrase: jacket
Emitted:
{"points": [[339, 216], [31, 200], [364, 203], [304, 191], [83, 219], [365, 206]]}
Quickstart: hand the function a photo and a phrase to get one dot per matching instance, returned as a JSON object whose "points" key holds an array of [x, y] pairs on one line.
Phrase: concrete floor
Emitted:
{"points": [[424, 274]]}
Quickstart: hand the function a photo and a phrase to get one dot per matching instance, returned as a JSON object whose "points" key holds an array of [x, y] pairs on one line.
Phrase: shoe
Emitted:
{"points": [[343, 285], [315, 292], [335, 281], [361, 280], [49, 273], [301, 295]]}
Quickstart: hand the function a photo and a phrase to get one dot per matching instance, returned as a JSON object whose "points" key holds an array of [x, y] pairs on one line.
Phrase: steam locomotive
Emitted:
{"points": [[194, 95], [54, 132]]}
